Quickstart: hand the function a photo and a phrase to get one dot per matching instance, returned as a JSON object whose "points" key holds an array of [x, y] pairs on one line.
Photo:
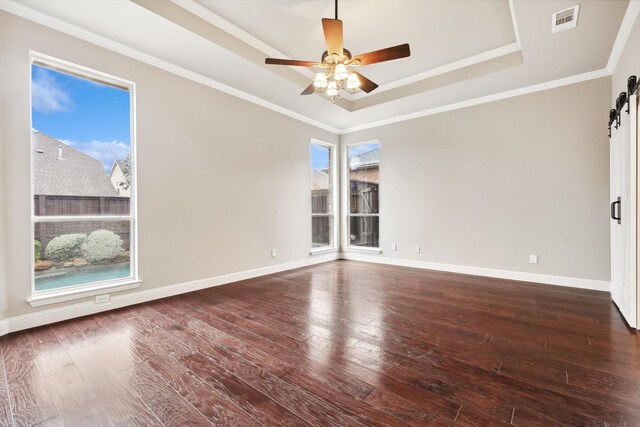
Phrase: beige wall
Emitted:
{"points": [[487, 186], [628, 65], [3, 282], [221, 180]]}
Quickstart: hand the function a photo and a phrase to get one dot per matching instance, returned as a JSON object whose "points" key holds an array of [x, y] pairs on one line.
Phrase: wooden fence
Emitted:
{"points": [[80, 205], [364, 230]]}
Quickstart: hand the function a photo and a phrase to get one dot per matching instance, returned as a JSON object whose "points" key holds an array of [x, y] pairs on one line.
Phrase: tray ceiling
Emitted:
{"points": [[439, 31], [461, 50]]}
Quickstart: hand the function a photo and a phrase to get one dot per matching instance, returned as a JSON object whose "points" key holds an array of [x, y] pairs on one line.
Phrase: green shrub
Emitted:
{"points": [[65, 247], [37, 249], [102, 245]]}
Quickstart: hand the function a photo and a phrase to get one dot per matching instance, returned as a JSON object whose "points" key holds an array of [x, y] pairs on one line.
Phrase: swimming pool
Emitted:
{"points": [[60, 278]]}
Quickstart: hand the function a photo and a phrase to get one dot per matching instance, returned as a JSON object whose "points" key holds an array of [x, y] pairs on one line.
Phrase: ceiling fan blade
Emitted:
{"points": [[309, 90], [333, 35], [388, 54], [365, 84], [296, 63]]}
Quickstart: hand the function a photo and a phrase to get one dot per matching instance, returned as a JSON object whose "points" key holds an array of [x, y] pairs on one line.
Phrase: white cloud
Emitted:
{"points": [[104, 151], [47, 96]]}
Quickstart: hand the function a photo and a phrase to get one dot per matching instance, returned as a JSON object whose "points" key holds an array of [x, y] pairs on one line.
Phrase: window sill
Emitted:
{"points": [[325, 250], [375, 251], [53, 297]]}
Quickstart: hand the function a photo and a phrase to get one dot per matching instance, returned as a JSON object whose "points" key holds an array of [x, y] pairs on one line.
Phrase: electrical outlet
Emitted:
{"points": [[101, 299], [273, 252], [394, 246], [533, 259], [417, 249]]}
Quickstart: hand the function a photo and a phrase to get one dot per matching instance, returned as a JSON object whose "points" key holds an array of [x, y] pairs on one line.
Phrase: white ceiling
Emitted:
{"points": [[461, 50], [439, 31]]}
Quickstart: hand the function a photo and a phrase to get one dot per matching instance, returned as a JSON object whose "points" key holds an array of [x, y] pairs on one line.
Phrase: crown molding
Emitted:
{"points": [[631, 14], [216, 20], [456, 65], [447, 68], [629, 19], [514, 21], [232, 29], [22, 11], [591, 75]]}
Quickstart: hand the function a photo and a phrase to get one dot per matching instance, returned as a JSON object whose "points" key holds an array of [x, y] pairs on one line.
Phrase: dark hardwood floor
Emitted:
{"points": [[341, 343]]}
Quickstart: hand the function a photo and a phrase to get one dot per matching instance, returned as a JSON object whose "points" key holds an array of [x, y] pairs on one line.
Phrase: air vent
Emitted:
{"points": [[564, 19]]}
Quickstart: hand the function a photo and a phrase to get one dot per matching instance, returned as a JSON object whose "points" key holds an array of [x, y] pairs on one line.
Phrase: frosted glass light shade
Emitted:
{"points": [[353, 82], [341, 72], [320, 81]]}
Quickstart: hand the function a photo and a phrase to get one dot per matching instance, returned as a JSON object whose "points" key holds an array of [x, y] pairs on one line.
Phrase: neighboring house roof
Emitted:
{"points": [[368, 158], [74, 174], [319, 180], [119, 164], [116, 165], [119, 179]]}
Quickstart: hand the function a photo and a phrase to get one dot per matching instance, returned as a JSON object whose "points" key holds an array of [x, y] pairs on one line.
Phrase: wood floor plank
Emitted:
{"points": [[6, 417], [248, 398], [341, 343], [213, 404], [76, 403], [29, 393], [120, 403], [164, 402], [406, 411], [303, 404], [52, 357]]}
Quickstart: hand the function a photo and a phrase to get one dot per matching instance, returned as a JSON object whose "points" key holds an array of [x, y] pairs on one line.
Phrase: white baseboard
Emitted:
{"points": [[4, 327], [573, 282], [45, 317]]}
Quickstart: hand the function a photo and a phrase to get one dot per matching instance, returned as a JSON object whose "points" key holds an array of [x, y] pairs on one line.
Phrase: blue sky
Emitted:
{"points": [[319, 157], [89, 116]]}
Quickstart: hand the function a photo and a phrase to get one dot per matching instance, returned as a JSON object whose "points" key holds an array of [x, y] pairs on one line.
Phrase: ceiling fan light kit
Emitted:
{"points": [[320, 82], [337, 63]]}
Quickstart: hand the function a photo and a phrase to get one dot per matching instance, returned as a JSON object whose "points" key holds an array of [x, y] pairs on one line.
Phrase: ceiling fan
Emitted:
{"points": [[338, 62]]}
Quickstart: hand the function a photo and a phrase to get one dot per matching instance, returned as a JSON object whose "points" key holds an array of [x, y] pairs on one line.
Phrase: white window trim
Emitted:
{"points": [[38, 298], [346, 208], [81, 291], [323, 250], [363, 249], [335, 188]]}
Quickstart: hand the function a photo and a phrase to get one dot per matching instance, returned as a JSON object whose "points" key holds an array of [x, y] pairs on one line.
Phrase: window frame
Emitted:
{"points": [[334, 197], [52, 296], [346, 202]]}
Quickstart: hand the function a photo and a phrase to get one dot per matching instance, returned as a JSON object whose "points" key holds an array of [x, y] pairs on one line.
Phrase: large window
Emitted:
{"points": [[363, 214], [322, 196], [83, 179]]}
